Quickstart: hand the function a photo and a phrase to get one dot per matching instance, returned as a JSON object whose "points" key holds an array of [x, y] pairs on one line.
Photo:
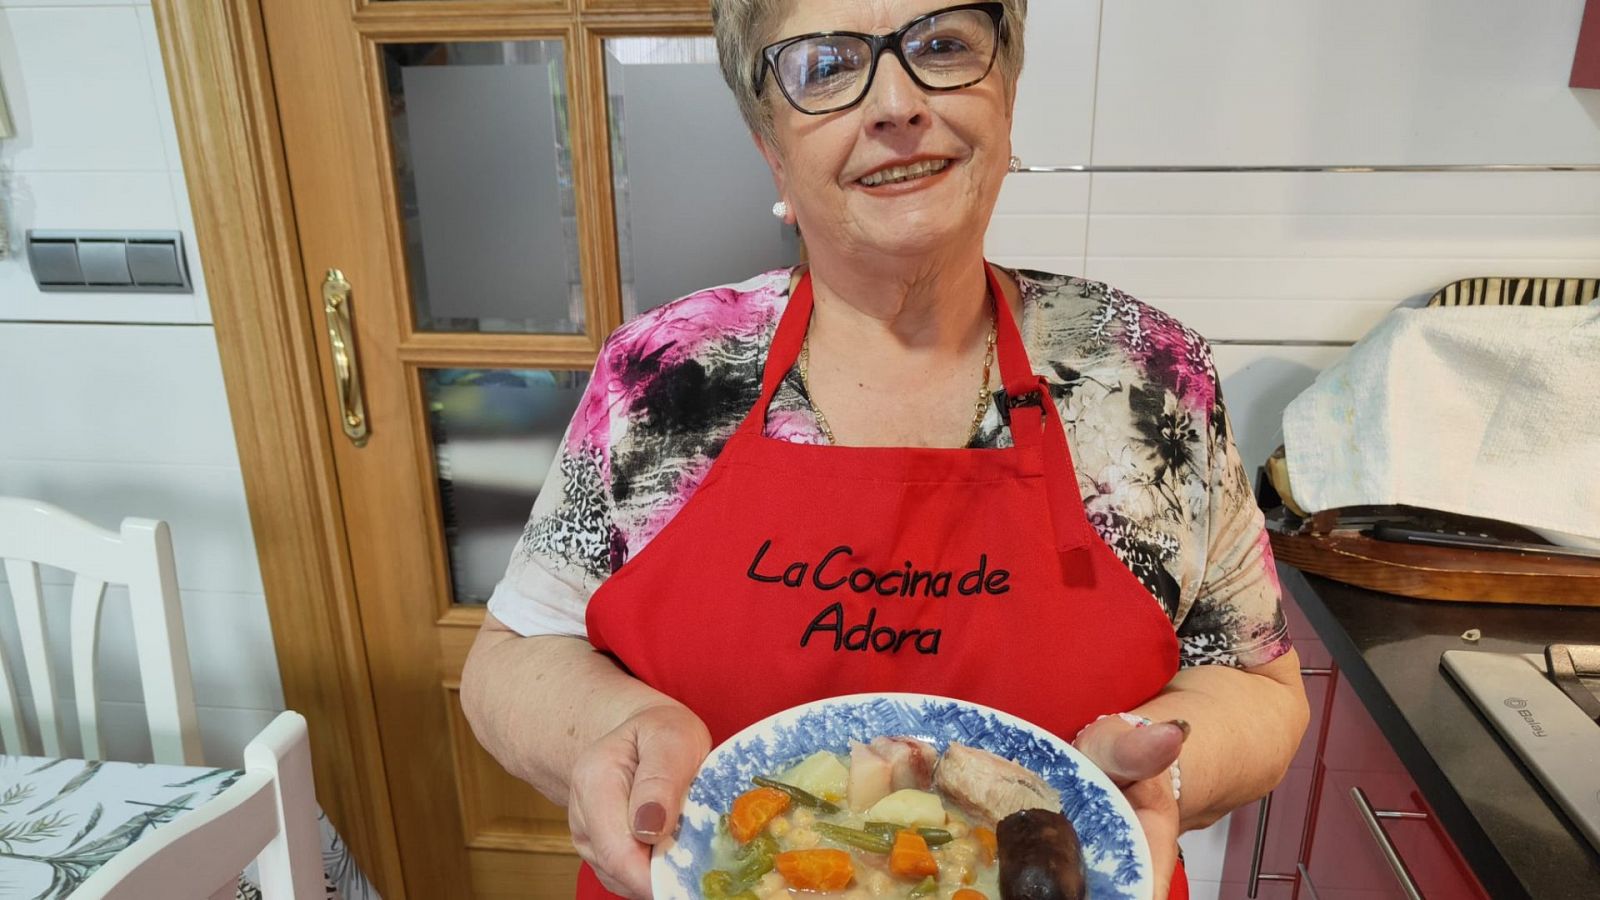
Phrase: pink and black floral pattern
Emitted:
{"points": [[1159, 474]]}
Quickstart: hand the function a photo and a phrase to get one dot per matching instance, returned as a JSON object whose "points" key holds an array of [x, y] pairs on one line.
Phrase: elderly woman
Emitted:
{"points": [[772, 492]]}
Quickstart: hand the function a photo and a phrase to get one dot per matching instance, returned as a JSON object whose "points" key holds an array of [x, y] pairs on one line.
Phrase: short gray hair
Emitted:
{"points": [[743, 27]]}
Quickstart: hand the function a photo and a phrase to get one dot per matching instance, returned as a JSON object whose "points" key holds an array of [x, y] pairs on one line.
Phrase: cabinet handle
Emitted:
{"points": [[1263, 815], [1305, 881], [1371, 816]]}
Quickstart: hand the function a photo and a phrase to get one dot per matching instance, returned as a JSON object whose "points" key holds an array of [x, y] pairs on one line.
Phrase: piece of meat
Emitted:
{"points": [[911, 762], [1040, 858], [871, 777], [989, 788]]}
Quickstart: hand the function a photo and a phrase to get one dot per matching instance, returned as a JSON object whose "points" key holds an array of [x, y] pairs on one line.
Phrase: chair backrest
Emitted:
{"points": [[140, 556], [269, 815]]}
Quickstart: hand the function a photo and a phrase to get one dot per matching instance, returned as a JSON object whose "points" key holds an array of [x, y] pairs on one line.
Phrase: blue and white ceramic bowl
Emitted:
{"points": [[1114, 847]]}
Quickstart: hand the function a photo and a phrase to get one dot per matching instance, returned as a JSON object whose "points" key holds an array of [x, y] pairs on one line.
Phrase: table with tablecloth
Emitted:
{"points": [[61, 819]]}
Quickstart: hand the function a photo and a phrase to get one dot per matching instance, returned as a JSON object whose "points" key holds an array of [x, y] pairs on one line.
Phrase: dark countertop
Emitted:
{"points": [[1515, 839]]}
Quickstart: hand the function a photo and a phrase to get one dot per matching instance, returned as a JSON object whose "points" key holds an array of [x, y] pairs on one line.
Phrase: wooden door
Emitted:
{"points": [[459, 172]]}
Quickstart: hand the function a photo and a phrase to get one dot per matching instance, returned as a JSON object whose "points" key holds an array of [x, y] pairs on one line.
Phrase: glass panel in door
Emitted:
{"points": [[494, 434], [693, 195], [483, 170]]}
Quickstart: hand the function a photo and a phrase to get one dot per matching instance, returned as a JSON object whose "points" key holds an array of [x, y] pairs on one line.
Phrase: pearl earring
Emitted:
{"points": [[1016, 164], [780, 209]]}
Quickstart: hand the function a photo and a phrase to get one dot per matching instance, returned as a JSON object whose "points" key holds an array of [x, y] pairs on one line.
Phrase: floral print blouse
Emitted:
{"points": [[1157, 468]]}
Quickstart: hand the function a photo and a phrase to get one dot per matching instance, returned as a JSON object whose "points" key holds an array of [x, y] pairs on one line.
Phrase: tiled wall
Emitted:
{"points": [[112, 405], [1280, 269]]}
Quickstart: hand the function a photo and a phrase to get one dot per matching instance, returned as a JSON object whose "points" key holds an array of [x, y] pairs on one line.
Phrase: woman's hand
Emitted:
{"points": [[1138, 761], [627, 789]]}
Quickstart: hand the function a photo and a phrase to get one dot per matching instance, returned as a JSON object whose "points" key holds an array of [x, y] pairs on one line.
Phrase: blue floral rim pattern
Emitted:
{"points": [[1114, 848]]}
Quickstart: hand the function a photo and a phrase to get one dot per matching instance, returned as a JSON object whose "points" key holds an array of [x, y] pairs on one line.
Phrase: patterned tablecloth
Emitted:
{"points": [[60, 819]]}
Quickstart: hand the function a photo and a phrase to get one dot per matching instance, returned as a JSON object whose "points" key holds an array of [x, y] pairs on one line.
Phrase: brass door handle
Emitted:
{"points": [[346, 367]]}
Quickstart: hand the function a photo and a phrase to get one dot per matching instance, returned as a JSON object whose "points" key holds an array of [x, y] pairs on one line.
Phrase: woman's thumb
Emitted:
{"points": [[1140, 753], [668, 759]]}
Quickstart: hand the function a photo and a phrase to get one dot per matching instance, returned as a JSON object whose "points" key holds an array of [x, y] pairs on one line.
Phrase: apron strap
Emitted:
{"points": [[1024, 403], [1027, 407]]}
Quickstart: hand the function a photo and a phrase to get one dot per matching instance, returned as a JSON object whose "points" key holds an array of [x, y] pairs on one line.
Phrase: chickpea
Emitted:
{"points": [[958, 828], [963, 852], [804, 839], [771, 887], [779, 827], [803, 818]]}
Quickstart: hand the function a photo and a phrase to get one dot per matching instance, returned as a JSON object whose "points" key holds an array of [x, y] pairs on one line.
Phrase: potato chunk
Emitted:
{"points": [[911, 808]]}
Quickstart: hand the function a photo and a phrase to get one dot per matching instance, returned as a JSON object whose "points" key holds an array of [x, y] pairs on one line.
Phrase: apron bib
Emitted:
{"points": [[797, 572]]}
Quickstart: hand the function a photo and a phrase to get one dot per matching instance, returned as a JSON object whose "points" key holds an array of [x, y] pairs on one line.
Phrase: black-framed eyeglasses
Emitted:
{"points": [[828, 71]]}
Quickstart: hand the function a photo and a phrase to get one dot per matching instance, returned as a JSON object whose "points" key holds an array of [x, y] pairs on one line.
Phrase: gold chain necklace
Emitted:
{"points": [[979, 408]]}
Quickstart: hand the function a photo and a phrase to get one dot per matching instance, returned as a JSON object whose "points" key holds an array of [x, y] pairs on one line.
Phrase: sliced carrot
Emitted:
{"points": [[910, 857], [989, 844], [753, 809], [815, 870], [968, 894]]}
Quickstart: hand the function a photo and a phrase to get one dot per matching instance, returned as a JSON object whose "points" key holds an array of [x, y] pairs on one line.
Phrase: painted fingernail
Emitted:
{"points": [[650, 819], [1181, 725]]}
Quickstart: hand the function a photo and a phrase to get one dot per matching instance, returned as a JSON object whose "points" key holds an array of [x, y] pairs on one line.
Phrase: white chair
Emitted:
{"points": [[33, 533], [269, 815]]}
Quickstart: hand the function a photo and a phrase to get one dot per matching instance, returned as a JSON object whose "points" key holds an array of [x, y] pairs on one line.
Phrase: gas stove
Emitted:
{"points": [[1547, 710]]}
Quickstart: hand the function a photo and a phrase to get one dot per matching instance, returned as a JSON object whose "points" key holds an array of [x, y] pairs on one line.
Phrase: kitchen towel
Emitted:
{"points": [[1489, 411]]}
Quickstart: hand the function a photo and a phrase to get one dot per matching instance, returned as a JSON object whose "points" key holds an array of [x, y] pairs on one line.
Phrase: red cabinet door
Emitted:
{"points": [[1283, 827], [1373, 833]]}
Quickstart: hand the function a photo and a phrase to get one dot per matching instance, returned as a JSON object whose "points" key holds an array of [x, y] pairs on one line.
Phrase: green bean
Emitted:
{"points": [[865, 840], [756, 859], [717, 884], [763, 842], [928, 886], [935, 837], [802, 797]]}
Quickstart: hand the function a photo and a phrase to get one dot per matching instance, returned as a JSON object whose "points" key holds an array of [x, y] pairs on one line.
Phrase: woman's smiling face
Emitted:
{"points": [[843, 174]]}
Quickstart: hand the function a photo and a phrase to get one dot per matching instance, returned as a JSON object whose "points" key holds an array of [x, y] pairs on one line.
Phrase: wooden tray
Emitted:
{"points": [[1442, 573]]}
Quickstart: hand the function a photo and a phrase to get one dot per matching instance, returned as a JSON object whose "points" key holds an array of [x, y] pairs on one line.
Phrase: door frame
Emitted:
{"points": [[225, 110]]}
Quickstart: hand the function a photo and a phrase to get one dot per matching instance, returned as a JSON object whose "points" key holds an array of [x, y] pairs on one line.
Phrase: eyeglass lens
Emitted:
{"points": [[947, 50]]}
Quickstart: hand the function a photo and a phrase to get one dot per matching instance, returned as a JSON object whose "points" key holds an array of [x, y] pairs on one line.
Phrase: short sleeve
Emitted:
{"points": [[563, 554], [1237, 616]]}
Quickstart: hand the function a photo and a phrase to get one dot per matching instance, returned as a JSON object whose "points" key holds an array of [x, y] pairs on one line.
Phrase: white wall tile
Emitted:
{"points": [[1055, 98], [204, 505], [191, 245], [1257, 384], [1040, 222], [46, 3], [78, 87], [1240, 82], [231, 658], [89, 200], [114, 394], [223, 732], [150, 39], [1324, 256], [1204, 850]]}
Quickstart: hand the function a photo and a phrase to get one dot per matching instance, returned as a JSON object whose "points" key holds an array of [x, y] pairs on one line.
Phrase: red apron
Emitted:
{"points": [[797, 572]]}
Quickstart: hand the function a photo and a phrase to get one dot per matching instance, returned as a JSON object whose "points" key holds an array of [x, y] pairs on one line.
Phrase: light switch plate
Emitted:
{"points": [[54, 262], [145, 262], [104, 263], [154, 264]]}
